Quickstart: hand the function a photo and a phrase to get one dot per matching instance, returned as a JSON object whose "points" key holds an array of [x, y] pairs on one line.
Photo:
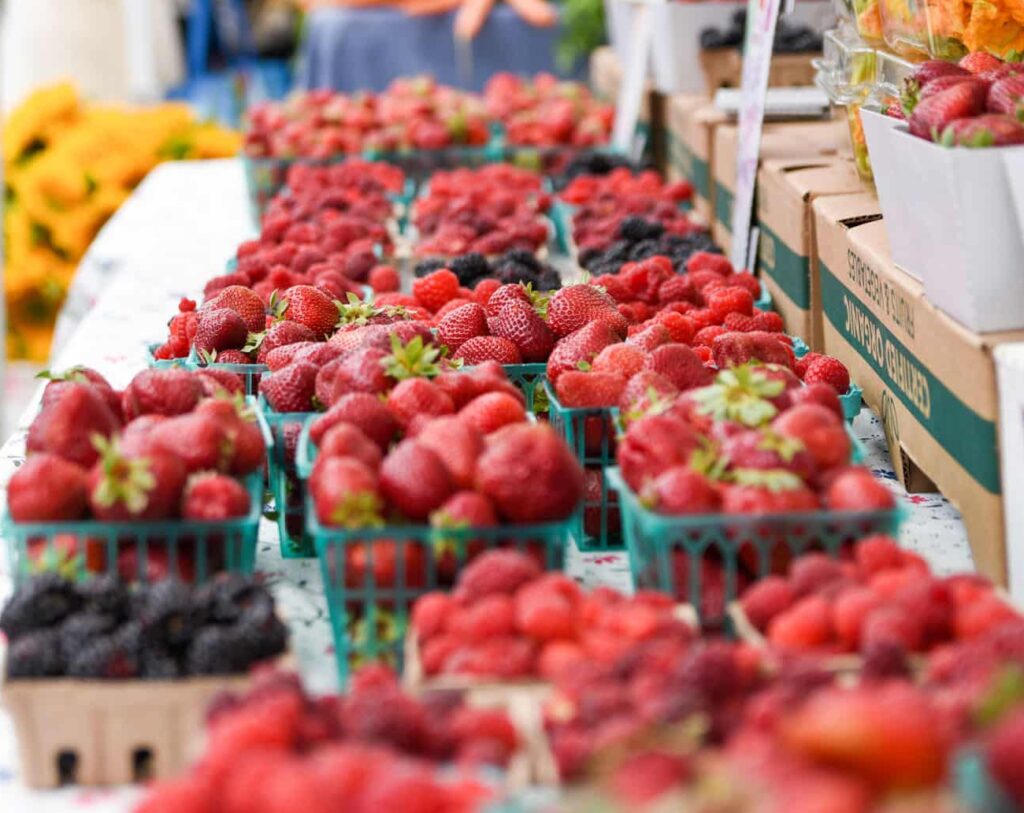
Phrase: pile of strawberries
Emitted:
{"points": [[977, 102], [603, 202], [508, 620], [489, 211], [885, 599], [413, 113], [373, 749], [547, 112]]}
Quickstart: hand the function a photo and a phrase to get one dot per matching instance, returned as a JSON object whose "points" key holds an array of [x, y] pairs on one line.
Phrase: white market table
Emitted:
{"points": [[176, 231]]}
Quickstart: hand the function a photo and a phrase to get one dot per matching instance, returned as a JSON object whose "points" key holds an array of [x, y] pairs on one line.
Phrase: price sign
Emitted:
{"points": [[762, 16]]}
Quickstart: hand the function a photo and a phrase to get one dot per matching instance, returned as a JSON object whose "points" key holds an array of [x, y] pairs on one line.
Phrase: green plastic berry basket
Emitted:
{"points": [[655, 541], [138, 551], [372, 576], [975, 785], [852, 400], [249, 373], [591, 434], [529, 379]]}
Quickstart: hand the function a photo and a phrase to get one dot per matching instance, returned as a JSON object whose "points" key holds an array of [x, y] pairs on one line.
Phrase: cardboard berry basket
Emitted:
{"points": [[655, 540], [852, 400], [372, 576], [591, 434]]}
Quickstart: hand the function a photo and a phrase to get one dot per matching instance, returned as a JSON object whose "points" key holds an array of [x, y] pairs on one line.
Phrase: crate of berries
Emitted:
{"points": [[108, 683], [391, 524], [164, 478]]}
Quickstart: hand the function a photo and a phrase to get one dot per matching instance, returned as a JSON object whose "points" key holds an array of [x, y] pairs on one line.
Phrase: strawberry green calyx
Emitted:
{"points": [[775, 480], [378, 627], [414, 359], [1004, 694], [243, 408], [356, 311], [785, 447], [127, 481], [70, 374], [253, 342], [656, 404], [538, 299], [740, 394], [707, 461], [277, 306], [443, 544], [358, 510]]}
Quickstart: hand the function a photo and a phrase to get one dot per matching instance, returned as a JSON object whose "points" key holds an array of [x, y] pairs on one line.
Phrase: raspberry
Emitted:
{"points": [[813, 572], [740, 322], [702, 318], [730, 299], [436, 651], [680, 327], [499, 571], [431, 613], [706, 261], [434, 290], [745, 279], [828, 370], [505, 658], [677, 289], [706, 336], [704, 352], [769, 321], [874, 554], [766, 599], [982, 616], [849, 610], [805, 625], [474, 724], [383, 279]]}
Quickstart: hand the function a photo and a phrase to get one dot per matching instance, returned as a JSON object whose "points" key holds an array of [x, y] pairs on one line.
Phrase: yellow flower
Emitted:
{"points": [[36, 117]]}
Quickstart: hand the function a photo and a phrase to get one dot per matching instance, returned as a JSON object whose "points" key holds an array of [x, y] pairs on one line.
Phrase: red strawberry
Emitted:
{"points": [[1005, 752], [572, 307], [530, 474], [362, 370], [781, 494], [503, 295], [435, 289], [624, 359], [362, 410], [820, 394], [653, 445], [650, 337], [230, 357], [980, 62], [164, 392], [324, 384], [681, 490], [489, 412], [345, 493], [457, 443], [82, 375], [856, 489], [520, 324], [680, 365], [281, 357], [733, 349], [805, 625], [291, 389], [576, 389], [311, 307], [414, 480], [123, 488], [67, 423], [1007, 95], [932, 115], [246, 446], [766, 599], [487, 348], [646, 393], [47, 488], [198, 440], [451, 305], [243, 301], [498, 571], [992, 130], [484, 289], [462, 324], [214, 497], [875, 554], [465, 509], [819, 430], [583, 345], [934, 68], [545, 613], [279, 335], [849, 611], [766, 450], [346, 440], [220, 329], [383, 279], [418, 396]]}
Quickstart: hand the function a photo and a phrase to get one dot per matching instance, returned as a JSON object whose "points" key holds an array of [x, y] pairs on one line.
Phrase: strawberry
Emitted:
{"points": [[680, 365], [346, 440], [681, 490], [246, 448], [345, 493], [67, 424], [363, 411], [530, 474], [458, 443], [220, 329], [992, 130], [484, 289], [572, 307], [583, 345], [214, 498], [857, 490], [577, 389], [487, 348], [766, 450], [544, 613], [323, 387], [383, 279], [279, 335], [804, 625], [1007, 96], [489, 412], [766, 599], [462, 324], [496, 572], [875, 554], [414, 480], [465, 509], [819, 430], [733, 349], [849, 611], [123, 488], [230, 357], [431, 613], [932, 115], [291, 389], [505, 294], [652, 445], [281, 357], [980, 62], [623, 359], [893, 626], [361, 370], [311, 307], [82, 375], [767, 492], [646, 393], [934, 68], [416, 397], [47, 488], [451, 305], [243, 301], [164, 392], [198, 440], [520, 324], [648, 338], [435, 289], [1005, 754], [820, 394]]}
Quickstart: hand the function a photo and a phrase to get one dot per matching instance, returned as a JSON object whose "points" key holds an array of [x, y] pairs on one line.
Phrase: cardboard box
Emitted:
{"points": [[808, 140], [932, 381], [786, 257], [692, 121], [723, 68]]}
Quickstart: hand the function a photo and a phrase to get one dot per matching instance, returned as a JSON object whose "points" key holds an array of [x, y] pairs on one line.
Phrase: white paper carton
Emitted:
{"points": [[952, 224], [1014, 160], [1010, 373], [618, 22]]}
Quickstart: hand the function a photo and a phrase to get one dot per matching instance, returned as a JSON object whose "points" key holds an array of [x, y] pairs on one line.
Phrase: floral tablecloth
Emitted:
{"points": [[176, 231]]}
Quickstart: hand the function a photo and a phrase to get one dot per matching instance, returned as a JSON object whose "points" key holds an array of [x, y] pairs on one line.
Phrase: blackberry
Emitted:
{"points": [[512, 274], [428, 266], [35, 655], [158, 664], [470, 268], [44, 601], [588, 256], [106, 594], [636, 228], [643, 250], [522, 256], [78, 630], [224, 600], [226, 650], [166, 614], [548, 280], [108, 657]]}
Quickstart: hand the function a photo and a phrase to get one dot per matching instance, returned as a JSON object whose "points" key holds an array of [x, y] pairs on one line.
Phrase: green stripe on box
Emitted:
{"points": [[694, 169], [963, 433], [791, 271], [723, 205]]}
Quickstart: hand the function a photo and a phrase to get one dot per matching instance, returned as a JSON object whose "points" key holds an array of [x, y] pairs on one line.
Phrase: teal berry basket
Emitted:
{"points": [[137, 551], [162, 364], [529, 380], [372, 576], [663, 546], [249, 373], [419, 165], [976, 786], [852, 401], [591, 434]]}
